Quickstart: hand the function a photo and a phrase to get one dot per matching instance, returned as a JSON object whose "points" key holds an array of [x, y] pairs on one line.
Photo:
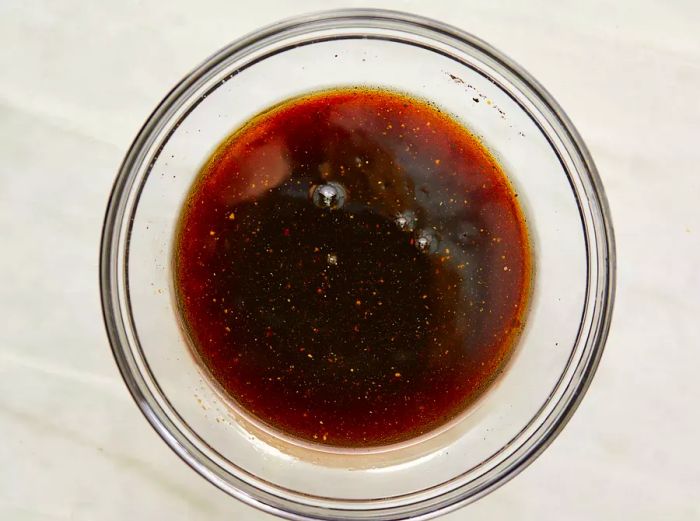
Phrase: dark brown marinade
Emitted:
{"points": [[353, 267]]}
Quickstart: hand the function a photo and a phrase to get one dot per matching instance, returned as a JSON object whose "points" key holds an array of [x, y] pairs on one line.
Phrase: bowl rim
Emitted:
{"points": [[601, 233]]}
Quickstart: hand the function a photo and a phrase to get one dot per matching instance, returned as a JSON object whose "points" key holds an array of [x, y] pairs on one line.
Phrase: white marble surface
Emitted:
{"points": [[77, 80]]}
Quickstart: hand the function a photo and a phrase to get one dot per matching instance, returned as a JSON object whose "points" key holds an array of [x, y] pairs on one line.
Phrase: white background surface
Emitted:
{"points": [[77, 79]]}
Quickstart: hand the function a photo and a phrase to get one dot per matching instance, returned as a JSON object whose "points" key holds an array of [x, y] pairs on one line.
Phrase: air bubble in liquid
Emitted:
{"points": [[405, 221], [330, 196], [426, 241]]}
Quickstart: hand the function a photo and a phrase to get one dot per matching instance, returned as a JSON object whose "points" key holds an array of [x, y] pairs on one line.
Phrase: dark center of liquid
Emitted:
{"points": [[352, 268]]}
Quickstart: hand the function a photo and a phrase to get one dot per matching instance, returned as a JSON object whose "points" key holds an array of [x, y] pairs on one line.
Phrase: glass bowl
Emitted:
{"points": [[572, 242]]}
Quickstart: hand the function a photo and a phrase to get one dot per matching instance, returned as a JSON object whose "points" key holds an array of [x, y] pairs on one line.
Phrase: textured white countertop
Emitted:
{"points": [[77, 80]]}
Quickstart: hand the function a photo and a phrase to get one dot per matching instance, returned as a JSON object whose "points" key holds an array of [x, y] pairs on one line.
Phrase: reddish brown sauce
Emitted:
{"points": [[372, 315]]}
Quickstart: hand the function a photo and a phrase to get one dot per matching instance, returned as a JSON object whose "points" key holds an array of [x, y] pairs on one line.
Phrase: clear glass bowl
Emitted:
{"points": [[572, 242]]}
